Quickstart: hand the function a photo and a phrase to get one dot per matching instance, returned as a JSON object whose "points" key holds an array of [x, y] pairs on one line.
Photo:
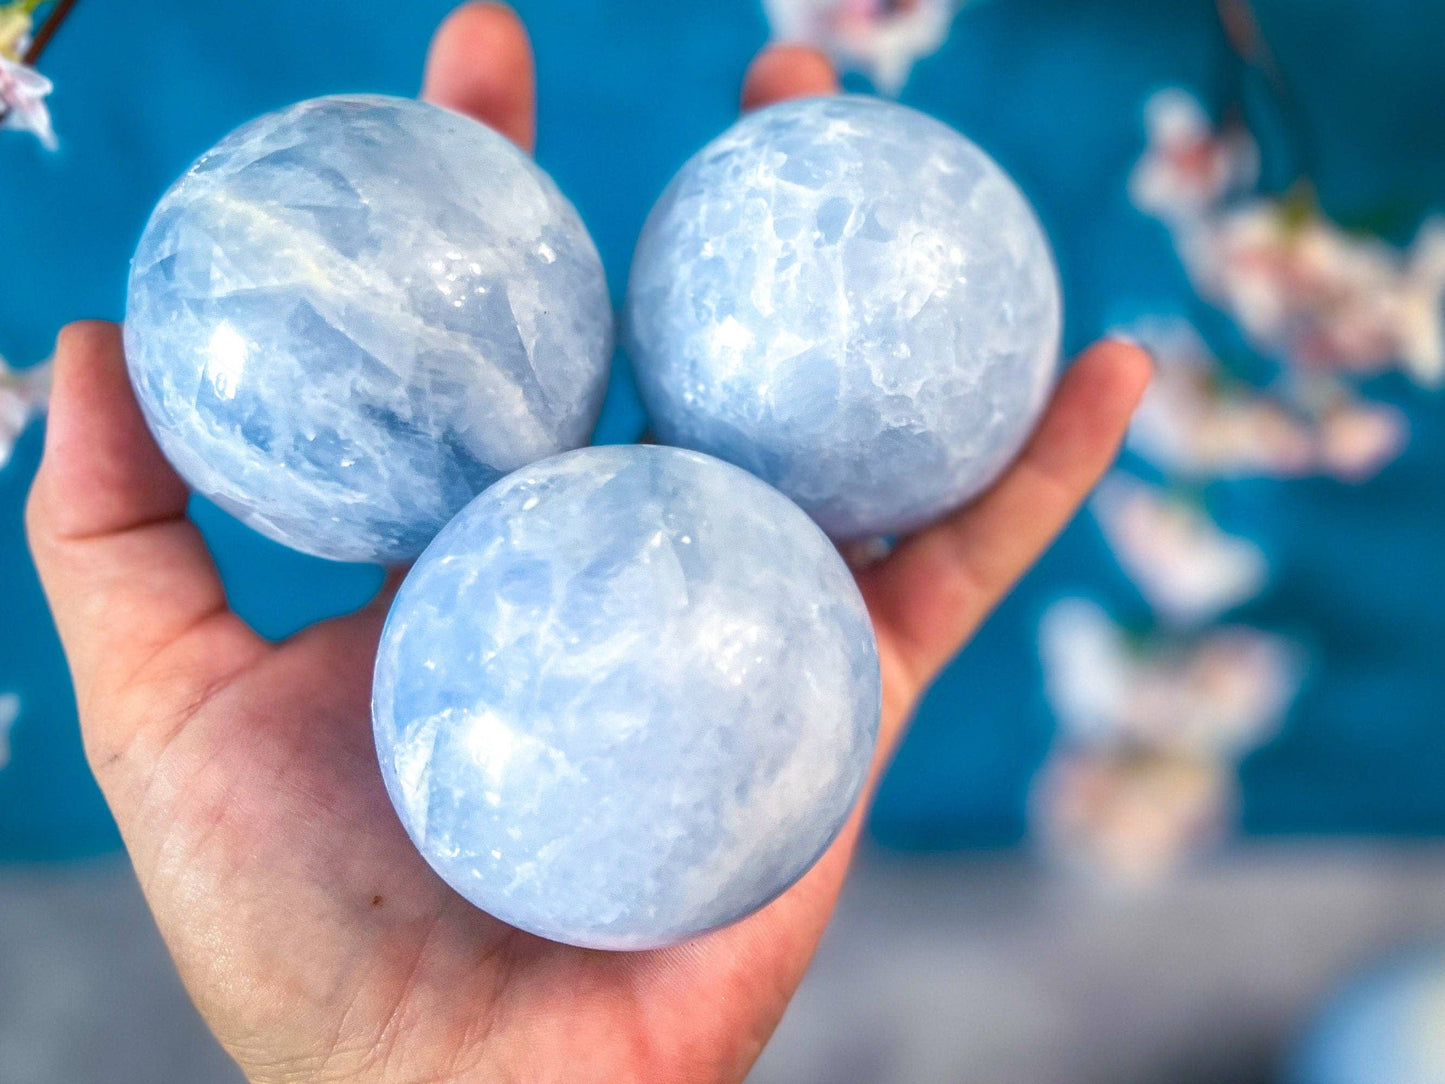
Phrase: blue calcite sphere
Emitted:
{"points": [[354, 314], [628, 695], [853, 302], [1386, 1026]]}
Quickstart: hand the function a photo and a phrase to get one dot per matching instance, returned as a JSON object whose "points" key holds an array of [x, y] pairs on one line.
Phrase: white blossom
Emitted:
{"points": [[23, 91], [1318, 297], [1129, 818], [1301, 288], [883, 39], [9, 712], [1188, 168], [1187, 569], [1215, 694], [1195, 424], [1143, 772], [23, 395]]}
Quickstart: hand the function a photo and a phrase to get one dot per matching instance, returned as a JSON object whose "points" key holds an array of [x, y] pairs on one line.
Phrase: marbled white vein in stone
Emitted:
{"points": [[354, 314], [853, 302], [628, 695]]}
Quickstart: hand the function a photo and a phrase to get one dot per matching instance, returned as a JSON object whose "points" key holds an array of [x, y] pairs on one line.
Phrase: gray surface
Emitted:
{"points": [[87, 992], [939, 970], [936, 970]]}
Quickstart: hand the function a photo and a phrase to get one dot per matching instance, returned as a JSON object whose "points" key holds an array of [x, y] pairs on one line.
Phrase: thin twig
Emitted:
{"points": [[46, 32], [1242, 29]]}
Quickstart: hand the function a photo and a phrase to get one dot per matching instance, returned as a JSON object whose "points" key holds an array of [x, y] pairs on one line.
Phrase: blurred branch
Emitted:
{"points": [[47, 30], [1245, 37]]}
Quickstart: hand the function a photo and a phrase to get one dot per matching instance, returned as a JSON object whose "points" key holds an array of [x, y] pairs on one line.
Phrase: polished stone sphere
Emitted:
{"points": [[851, 301], [1386, 1026], [628, 695], [354, 314]]}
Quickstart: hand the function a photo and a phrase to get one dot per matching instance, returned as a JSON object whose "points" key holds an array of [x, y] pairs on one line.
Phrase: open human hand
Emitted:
{"points": [[315, 940]]}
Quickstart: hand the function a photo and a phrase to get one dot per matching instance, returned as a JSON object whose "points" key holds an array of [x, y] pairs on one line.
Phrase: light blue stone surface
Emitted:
{"points": [[852, 301], [1387, 1027], [353, 314], [628, 695]]}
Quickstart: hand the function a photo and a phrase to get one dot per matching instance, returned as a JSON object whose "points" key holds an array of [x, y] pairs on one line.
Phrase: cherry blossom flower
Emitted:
{"points": [[1195, 424], [1143, 772], [1129, 818], [9, 712], [1356, 439], [1188, 168], [880, 38], [1300, 287], [23, 394], [1215, 694], [22, 101], [1187, 569], [1320, 298], [22, 89]]}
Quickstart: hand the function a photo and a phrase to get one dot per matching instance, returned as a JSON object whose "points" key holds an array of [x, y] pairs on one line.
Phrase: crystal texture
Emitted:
{"points": [[853, 302], [628, 695], [354, 314]]}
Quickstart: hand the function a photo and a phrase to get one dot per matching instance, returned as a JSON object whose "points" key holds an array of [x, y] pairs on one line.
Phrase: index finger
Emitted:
{"points": [[781, 72], [480, 64]]}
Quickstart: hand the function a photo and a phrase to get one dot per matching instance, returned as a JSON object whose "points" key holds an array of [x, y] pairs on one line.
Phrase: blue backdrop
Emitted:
{"points": [[628, 88]]}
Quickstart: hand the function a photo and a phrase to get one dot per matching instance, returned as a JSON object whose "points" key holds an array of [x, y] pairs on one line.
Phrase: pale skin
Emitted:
{"points": [[316, 942]]}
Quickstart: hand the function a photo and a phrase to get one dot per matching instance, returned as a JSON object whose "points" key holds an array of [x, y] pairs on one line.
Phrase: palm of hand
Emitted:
{"points": [[313, 934], [316, 941]]}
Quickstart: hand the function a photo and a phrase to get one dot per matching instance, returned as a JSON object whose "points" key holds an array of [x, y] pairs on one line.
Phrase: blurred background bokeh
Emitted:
{"points": [[1189, 781]]}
